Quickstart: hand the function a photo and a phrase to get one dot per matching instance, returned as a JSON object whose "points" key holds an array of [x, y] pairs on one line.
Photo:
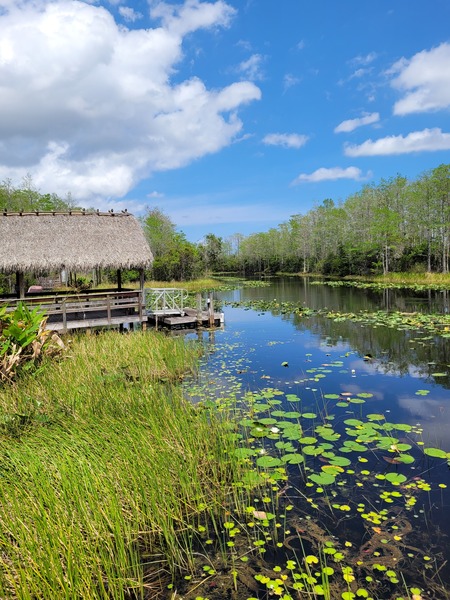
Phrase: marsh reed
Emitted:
{"points": [[104, 467]]}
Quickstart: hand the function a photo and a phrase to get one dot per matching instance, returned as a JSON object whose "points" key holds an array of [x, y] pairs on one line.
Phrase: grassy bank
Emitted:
{"points": [[415, 278], [398, 279], [104, 469]]}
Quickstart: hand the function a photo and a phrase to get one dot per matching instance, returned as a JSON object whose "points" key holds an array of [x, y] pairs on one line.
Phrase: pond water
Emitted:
{"points": [[366, 400]]}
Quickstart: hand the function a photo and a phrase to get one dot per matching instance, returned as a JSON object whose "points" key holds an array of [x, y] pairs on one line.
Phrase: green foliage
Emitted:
{"points": [[211, 250], [27, 197], [175, 258], [23, 340], [20, 326]]}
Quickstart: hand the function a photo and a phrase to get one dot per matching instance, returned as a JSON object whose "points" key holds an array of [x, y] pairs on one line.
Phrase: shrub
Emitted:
{"points": [[24, 340]]}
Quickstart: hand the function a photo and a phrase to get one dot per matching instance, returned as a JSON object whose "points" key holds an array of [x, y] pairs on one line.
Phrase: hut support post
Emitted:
{"points": [[119, 280], [20, 285]]}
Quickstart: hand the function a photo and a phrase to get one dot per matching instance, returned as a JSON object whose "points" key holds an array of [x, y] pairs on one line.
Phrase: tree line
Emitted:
{"points": [[394, 225]]}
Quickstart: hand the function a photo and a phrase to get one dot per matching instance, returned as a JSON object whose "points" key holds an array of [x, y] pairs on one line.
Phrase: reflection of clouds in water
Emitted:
{"points": [[434, 419], [374, 367], [357, 389], [422, 407]]}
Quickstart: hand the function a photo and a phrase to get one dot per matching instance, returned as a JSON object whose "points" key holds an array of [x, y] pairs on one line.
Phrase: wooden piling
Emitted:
{"points": [[199, 310], [210, 310]]}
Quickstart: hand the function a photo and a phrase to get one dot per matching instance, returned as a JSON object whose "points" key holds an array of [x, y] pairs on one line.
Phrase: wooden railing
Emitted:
{"points": [[165, 301], [85, 310]]}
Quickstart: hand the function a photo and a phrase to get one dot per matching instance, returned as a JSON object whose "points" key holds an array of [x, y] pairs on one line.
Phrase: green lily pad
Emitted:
{"points": [[322, 478], [435, 452], [293, 459], [268, 461]]}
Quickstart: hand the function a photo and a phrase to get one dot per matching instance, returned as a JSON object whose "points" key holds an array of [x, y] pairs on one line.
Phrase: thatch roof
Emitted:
{"points": [[77, 241]]}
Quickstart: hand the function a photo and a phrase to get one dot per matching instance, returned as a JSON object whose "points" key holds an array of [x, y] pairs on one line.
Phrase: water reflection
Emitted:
{"points": [[249, 352], [348, 299], [326, 365]]}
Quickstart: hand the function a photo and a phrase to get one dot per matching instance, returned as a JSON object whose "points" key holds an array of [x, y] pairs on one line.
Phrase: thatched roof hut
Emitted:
{"points": [[77, 241]]}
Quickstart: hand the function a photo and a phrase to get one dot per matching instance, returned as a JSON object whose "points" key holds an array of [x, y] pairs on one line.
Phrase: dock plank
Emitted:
{"points": [[99, 322]]}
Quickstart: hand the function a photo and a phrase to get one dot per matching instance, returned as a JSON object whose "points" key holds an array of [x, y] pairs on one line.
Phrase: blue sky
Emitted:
{"points": [[228, 116]]}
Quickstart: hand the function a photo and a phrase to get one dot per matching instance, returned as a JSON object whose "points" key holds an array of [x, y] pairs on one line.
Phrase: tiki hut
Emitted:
{"points": [[75, 241]]}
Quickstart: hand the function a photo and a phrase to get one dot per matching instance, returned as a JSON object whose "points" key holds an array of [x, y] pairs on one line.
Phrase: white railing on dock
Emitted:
{"points": [[165, 301]]}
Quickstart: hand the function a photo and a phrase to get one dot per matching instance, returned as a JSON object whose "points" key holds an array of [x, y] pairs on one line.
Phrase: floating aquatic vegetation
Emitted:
{"points": [[435, 324], [338, 498], [381, 285]]}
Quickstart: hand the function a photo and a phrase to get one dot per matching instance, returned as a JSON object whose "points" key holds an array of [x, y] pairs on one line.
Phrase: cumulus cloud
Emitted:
{"points": [[88, 106], [331, 174], [425, 81], [287, 140], [352, 124], [428, 140]]}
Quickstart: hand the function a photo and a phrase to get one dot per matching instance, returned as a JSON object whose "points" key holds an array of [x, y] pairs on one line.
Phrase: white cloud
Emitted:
{"points": [[364, 59], [289, 81], [324, 174], [360, 73], [428, 140], [352, 124], [155, 194], [180, 19], [129, 14], [425, 81], [287, 140], [252, 68], [88, 106]]}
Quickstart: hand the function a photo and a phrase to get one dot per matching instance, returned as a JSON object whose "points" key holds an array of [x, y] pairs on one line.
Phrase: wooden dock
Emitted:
{"points": [[119, 309], [165, 308], [67, 312], [189, 320]]}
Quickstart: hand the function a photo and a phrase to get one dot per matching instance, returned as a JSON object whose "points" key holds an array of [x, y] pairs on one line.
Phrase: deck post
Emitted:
{"points": [[64, 315], [140, 299], [199, 310], [108, 308], [210, 310]]}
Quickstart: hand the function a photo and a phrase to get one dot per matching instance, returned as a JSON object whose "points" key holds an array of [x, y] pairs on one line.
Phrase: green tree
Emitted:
{"points": [[212, 252], [175, 258]]}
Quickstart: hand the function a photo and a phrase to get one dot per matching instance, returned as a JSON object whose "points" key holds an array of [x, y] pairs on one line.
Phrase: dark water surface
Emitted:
{"points": [[403, 362], [402, 374]]}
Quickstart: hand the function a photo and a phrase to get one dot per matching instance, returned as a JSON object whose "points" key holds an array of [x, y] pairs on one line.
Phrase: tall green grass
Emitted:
{"points": [[412, 278], [106, 470]]}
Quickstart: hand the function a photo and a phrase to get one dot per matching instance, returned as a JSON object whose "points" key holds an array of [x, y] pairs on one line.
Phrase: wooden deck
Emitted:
{"points": [[124, 309], [88, 310], [189, 320], [165, 308]]}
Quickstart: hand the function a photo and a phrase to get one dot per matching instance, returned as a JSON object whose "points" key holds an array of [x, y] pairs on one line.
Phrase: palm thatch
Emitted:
{"points": [[76, 241]]}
